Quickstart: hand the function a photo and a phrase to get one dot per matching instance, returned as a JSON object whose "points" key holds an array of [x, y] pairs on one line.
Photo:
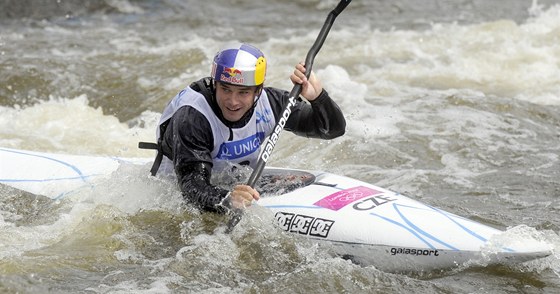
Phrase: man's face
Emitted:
{"points": [[234, 101]]}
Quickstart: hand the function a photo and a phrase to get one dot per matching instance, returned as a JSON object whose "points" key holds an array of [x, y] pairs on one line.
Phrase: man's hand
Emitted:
{"points": [[242, 196], [310, 89]]}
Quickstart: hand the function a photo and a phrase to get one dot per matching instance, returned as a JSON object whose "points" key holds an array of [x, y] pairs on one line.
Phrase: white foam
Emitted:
{"points": [[72, 126], [125, 6], [500, 58]]}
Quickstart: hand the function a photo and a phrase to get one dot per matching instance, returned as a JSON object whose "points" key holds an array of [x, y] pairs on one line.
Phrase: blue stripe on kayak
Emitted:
{"points": [[45, 180], [61, 195], [406, 228], [74, 168], [458, 224], [418, 229], [471, 232]]}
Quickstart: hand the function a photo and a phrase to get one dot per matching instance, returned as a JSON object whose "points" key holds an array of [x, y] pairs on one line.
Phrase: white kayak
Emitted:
{"points": [[362, 222]]}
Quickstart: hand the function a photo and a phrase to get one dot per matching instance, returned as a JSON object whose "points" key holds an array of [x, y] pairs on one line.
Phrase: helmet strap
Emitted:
{"points": [[257, 95]]}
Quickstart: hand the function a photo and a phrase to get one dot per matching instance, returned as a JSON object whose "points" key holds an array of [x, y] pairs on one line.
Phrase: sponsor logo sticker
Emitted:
{"points": [[237, 149], [231, 71], [304, 224], [342, 198], [414, 251], [232, 75]]}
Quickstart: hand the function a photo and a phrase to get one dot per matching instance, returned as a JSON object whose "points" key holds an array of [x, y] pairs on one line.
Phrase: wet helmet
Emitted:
{"points": [[240, 64]]}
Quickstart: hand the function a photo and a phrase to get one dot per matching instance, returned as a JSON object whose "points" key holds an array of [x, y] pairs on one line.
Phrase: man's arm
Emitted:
{"points": [[320, 118], [188, 141], [194, 181]]}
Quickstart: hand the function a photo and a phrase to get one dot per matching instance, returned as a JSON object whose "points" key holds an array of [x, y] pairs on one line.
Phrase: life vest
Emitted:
{"points": [[235, 145]]}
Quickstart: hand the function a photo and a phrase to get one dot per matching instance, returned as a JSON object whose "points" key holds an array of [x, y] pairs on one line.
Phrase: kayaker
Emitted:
{"points": [[226, 117]]}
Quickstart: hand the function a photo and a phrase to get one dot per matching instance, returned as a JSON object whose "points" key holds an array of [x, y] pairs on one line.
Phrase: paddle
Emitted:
{"points": [[296, 91]]}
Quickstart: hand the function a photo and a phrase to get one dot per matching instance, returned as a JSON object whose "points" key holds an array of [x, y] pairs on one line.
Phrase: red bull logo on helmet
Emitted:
{"points": [[231, 71], [232, 75]]}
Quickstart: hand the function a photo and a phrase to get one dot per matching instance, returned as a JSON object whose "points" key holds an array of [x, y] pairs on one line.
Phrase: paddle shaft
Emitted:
{"points": [[294, 94]]}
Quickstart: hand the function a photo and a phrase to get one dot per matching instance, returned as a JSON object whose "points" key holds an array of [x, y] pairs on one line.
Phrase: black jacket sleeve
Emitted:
{"points": [[188, 142], [320, 118], [194, 181]]}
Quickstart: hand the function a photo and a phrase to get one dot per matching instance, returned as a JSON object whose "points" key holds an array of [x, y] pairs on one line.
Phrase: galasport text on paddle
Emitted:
{"points": [[294, 94]]}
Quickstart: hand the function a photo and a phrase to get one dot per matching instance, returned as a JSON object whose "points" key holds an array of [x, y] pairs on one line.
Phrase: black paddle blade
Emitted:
{"points": [[235, 219]]}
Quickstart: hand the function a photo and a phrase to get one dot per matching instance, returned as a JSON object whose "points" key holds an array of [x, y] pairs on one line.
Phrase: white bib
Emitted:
{"points": [[246, 141]]}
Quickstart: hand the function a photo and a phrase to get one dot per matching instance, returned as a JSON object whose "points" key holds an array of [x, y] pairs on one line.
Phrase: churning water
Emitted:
{"points": [[454, 103]]}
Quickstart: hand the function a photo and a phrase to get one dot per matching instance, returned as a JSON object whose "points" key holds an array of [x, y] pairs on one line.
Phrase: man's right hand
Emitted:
{"points": [[242, 196]]}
